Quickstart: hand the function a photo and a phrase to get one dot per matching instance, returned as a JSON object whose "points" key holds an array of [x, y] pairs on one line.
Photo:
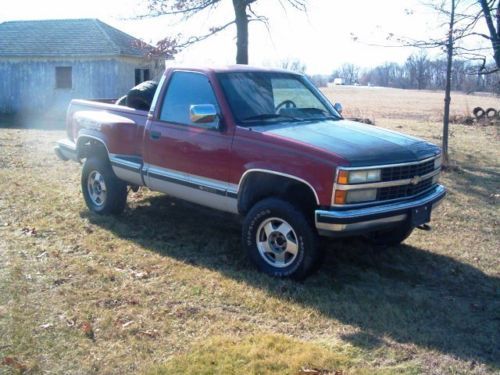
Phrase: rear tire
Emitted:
{"points": [[390, 237], [103, 192], [279, 240]]}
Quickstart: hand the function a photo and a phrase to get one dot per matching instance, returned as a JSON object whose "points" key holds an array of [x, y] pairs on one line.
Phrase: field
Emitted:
{"points": [[160, 290]]}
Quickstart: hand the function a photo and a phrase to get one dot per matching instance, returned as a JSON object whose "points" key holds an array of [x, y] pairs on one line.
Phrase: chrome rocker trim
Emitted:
{"points": [[337, 222]]}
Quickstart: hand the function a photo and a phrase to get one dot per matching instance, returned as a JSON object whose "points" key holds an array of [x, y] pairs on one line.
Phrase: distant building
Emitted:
{"points": [[45, 64], [338, 81]]}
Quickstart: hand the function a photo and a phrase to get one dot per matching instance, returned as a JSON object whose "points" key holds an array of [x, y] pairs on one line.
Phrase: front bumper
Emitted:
{"points": [[66, 150], [362, 220]]}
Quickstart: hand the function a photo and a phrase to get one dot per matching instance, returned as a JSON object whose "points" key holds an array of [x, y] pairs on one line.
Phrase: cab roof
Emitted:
{"points": [[229, 69]]}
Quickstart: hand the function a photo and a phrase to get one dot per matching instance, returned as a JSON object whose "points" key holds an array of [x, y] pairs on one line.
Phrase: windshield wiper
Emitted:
{"points": [[268, 116], [320, 118], [325, 115]]}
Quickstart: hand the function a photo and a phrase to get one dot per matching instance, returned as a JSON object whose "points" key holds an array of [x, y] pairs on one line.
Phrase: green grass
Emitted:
{"points": [[272, 354], [159, 290]]}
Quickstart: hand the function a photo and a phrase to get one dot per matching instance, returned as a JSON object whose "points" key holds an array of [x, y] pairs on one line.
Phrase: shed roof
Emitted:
{"points": [[69, 37]]}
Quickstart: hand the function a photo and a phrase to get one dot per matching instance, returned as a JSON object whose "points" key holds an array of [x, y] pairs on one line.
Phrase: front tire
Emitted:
{"points": [[279, 239], [103, 192]]}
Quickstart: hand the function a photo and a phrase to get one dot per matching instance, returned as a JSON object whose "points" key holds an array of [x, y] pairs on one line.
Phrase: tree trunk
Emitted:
{"points": [[240, 11], [494, 34], [447, 91]]}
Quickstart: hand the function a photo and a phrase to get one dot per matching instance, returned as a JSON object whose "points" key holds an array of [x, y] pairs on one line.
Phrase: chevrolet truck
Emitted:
{"points": [[264, 144]]}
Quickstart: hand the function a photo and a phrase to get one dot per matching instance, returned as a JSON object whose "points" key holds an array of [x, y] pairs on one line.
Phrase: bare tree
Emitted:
{"points": [[418, 68], [460, 23], [350, 73], [243, 15], [294, 65], [433, 75]]}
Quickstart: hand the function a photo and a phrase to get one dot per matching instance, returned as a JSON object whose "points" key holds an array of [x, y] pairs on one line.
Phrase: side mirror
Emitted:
{"points": [[338, 107], [203, 114]]}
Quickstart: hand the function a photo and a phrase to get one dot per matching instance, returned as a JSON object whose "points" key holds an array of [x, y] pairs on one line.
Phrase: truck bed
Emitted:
{"points": [[126, 125]]}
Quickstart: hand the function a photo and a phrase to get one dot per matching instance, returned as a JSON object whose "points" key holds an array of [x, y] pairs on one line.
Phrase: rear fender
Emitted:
{"points": [[94, 138]]}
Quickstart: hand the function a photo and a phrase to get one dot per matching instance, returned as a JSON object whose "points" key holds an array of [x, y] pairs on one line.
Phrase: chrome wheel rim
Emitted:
{"points": [[96, 188], [277, 242]]}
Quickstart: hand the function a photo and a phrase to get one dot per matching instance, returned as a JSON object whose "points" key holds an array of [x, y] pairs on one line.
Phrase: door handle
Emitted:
{"points": [[154, 135]]}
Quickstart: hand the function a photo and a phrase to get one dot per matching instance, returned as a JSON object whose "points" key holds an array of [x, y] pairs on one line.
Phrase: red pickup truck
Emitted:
{"points": [[264, 144]]}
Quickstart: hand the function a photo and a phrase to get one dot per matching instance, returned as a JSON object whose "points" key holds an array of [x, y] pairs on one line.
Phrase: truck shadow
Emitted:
{"points": [[408, 294], [476, 181]]}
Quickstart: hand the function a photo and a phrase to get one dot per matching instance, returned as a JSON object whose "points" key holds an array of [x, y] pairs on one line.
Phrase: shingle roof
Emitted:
{"points": [[73, 37]]}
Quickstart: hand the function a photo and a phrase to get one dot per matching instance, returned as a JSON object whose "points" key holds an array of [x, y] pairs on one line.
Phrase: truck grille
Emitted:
{"points": [[403, 172], [403, 191]]}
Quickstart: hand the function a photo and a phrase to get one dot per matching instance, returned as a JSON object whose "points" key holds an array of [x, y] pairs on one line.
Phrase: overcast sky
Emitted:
{"points": [[321, 38]]}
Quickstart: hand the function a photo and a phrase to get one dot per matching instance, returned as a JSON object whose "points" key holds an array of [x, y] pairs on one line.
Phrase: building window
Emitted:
{"points": [[64, 77], [141, 75]]}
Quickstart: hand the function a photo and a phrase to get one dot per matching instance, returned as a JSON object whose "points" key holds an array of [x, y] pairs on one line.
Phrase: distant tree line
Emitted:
{"points": [[421, 73]]}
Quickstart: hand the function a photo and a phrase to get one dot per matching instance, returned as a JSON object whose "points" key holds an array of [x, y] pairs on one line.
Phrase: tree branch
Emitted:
{"points": [[158, 8], [195, 39]]}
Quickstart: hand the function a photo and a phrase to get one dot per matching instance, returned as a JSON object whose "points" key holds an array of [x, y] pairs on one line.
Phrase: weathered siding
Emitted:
{"points": [[29, 85]]}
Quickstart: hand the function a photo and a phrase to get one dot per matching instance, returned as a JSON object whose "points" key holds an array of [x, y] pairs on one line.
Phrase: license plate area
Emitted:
{"points": [[421, 215]]}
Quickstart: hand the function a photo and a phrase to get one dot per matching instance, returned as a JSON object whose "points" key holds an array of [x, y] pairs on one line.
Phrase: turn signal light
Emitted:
{"points": [[343, 177], [340, 196]]}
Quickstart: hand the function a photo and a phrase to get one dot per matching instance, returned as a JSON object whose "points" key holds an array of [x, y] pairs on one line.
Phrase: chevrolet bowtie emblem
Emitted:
{"points": [[415, 180]]}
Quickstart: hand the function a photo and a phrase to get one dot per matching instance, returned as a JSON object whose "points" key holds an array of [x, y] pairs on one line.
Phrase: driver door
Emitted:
{"points": [[185, 159]]}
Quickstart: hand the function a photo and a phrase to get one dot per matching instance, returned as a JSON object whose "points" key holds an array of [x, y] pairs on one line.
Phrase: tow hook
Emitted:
{"points": [[425, 227]]}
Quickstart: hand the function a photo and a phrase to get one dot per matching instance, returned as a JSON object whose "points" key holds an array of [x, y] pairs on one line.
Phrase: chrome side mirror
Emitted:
{"points": [[203, 113], [338, 107]]}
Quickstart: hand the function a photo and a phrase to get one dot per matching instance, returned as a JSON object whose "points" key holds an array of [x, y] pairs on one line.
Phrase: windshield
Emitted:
{"points": [[270, 97]]}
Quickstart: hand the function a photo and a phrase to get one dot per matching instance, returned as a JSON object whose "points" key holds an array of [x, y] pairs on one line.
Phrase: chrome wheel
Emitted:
{"points": [[277, 242], [96, 188]]}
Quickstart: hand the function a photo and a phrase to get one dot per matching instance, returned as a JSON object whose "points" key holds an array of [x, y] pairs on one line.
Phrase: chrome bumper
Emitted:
{"points": [[66, 150], [361, 220]]}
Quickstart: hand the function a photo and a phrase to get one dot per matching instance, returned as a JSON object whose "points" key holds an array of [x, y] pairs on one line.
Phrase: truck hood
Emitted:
{"points": [[360, 144]]}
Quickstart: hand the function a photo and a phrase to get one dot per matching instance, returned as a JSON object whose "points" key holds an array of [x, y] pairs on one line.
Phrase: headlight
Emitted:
{"points": [[358, 176], [365, 195], [354, 196], [437, 162]]}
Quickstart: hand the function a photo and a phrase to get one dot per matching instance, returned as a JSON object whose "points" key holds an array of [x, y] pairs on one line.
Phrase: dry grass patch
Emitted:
{"points": [[379, 103]]}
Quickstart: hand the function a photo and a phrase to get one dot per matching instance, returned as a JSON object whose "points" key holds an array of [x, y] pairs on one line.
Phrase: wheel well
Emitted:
{"points": [[87, 146], [259, 185]]}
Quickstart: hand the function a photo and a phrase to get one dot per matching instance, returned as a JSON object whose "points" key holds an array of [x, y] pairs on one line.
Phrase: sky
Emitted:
{"points": [[321, 38]]}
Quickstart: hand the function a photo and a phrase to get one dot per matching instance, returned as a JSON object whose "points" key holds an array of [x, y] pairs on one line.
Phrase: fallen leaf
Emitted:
{"points": [[59, 282], [88, 330], [317, 371], [151, 333], [140, 275], [70, 322], [29, 231], [14, 363]]}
